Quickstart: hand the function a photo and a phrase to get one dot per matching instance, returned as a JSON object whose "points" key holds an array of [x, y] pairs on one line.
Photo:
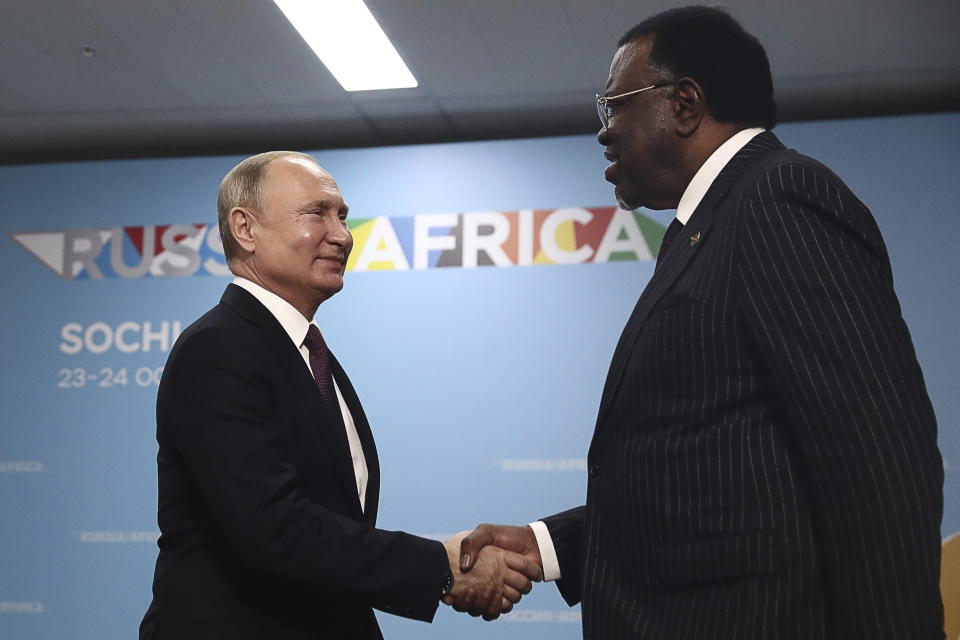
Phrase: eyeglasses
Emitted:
{"points": [[605, 109]]}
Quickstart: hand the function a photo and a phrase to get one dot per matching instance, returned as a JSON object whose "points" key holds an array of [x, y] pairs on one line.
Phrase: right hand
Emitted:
{"points": [[517, 539], [498, 580]]}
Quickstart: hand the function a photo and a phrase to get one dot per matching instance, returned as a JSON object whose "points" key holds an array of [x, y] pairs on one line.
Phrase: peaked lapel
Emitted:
{"points": [[329, 424], [687, 243]]}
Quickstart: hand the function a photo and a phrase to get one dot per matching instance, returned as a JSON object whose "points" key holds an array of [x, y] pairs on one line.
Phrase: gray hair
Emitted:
{"points": [[241, 187]]}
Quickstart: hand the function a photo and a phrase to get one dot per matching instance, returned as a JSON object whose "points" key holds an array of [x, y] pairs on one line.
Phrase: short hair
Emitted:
{"points": [[241, 187], [709, 46]]}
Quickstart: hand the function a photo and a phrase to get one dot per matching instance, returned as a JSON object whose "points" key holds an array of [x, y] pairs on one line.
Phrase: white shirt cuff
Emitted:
{"points": [[548, 555]]}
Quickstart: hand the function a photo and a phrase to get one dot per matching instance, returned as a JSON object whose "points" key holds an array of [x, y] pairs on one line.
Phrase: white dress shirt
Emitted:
{"points": [[296, 327], [689, 201], [709, 171]]}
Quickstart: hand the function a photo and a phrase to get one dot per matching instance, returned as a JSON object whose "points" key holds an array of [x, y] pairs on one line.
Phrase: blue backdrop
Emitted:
{"points": [[481, 384]]}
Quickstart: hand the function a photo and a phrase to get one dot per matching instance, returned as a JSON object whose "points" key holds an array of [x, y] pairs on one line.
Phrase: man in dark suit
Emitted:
{"points": [[764, 463], [268, 473]]}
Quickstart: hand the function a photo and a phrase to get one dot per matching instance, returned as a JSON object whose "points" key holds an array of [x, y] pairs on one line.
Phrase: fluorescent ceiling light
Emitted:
{"points": [[348, 40]]}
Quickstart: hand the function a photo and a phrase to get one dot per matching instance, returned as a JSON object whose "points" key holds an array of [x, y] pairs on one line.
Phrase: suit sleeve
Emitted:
{"points": [[566, 532], [219, 409], [819, 307]]}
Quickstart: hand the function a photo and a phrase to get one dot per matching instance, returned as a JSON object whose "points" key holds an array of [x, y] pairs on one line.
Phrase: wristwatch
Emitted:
{"points": [[447, 583]]}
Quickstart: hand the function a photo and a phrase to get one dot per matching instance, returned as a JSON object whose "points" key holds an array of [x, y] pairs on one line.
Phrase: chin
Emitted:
{"points": [[626, 202], [631, 202], [330, 286]]}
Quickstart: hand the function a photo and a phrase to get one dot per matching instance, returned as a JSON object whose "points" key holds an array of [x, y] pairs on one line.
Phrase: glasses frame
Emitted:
{"points": [[603, 101]]}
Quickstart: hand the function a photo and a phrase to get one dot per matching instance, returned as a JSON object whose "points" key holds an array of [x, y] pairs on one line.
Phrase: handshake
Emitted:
{"points": [[493, 566]]}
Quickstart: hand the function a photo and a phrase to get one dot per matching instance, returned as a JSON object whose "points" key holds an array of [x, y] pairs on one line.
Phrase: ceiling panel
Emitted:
{"points": [[910, 35], [40, 50], [442, 44], [180, 77]]}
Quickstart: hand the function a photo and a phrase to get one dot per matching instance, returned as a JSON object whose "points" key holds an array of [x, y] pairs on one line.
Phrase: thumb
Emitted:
{"points": [[471, 545]]}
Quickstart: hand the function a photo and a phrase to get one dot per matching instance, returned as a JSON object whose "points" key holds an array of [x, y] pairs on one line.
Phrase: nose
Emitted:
{"points": [[338, 234], [603, 137]]}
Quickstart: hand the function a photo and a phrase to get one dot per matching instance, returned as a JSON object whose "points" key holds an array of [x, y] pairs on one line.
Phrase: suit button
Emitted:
{"points": [[594, 470]]}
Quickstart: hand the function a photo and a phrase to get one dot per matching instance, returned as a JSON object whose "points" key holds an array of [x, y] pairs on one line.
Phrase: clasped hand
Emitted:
{"points": [[493, 566]]}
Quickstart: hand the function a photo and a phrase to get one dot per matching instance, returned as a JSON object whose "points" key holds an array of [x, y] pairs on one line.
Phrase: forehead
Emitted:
{"points": [[630, 65], [294, 178]]}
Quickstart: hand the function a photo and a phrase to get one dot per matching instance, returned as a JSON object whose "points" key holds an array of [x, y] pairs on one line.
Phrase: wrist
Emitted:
{"points": [[448, 580]]}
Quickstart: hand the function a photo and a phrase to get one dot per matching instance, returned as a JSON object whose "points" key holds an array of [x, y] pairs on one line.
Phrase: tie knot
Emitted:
{"points": [[314, 341], [672, 230]]}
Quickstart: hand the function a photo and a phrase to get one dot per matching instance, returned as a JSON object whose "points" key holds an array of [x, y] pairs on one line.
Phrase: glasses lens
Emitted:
{"points": [[602, 111]]}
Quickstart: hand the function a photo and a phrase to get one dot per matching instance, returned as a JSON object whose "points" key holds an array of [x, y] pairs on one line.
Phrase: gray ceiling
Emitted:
{"points": [[182, 77]]}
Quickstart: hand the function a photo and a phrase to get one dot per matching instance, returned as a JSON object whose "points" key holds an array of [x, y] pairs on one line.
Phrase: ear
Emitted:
{"points": [[689, 106], [242, 221]]}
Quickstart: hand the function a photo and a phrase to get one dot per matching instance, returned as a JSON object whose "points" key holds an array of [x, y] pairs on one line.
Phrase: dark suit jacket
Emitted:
{"points": [[765, 462], [262, 531]]}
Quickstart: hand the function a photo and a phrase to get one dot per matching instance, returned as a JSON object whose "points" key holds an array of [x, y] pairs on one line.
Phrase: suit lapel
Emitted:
{"points": [[329, 424], [366, 441], [671, 266], [693, 236]]}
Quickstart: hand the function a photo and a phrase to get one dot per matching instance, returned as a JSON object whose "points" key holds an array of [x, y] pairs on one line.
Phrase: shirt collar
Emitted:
{"points": [[286, 314], [709, 171]]}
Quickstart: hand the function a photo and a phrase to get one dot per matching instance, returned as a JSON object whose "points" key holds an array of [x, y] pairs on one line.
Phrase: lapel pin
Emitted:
{"points": [[695, 239]]}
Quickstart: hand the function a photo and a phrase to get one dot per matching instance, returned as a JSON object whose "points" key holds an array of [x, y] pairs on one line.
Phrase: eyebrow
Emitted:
{"points": [[342, 210]]}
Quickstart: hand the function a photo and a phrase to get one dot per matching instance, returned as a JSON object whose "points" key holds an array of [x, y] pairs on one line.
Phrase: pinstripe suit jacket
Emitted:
{"points": [[764, 463]]}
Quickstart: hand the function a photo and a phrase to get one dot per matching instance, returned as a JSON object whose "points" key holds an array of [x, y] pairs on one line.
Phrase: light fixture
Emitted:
{"points": [[349, 41]]}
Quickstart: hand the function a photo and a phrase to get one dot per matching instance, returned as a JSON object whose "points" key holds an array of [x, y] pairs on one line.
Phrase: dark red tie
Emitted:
{"points": [[320, 365], [668, 238]]}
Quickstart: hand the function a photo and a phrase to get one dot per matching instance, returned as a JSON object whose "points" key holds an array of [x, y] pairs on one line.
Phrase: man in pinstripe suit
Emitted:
{"points": [[764, 463]]}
